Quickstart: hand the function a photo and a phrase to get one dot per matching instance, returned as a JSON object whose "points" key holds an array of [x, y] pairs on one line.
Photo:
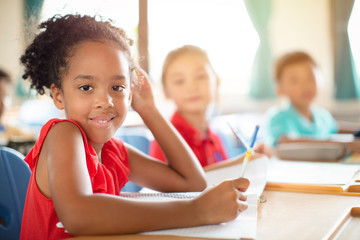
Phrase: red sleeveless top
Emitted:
{"points": [[39, 218]]}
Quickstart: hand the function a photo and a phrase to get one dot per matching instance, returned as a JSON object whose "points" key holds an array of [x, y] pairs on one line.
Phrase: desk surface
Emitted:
{"points": [[287, 215], [294, 216]]}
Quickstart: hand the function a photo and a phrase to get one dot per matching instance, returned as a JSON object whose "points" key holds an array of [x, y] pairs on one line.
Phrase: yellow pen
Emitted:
{"points": [[249, 152]]}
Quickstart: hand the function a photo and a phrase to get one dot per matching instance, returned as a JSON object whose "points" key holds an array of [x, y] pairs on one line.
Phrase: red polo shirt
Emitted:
{"points": [[208, 147]]}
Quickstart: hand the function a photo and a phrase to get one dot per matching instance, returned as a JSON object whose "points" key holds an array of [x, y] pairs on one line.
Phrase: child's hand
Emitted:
{"points": [[142, 93], [264, 149], [354, 146], [223, 202]]}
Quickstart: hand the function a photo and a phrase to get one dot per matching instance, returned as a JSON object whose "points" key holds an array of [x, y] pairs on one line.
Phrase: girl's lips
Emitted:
{"points": [[102, 121], [193, 99], [307, 95]]}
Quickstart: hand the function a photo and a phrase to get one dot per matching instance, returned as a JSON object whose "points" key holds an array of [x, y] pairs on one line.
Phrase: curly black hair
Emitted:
{"points": [[46, 59]]}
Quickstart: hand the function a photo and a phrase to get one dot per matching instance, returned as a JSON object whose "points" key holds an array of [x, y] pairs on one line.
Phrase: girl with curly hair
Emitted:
{"points": [[78, 168]]}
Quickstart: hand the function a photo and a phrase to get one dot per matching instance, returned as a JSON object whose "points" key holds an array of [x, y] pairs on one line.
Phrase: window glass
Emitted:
{"points": [[123, 13], [354, 36], [221, 27]]}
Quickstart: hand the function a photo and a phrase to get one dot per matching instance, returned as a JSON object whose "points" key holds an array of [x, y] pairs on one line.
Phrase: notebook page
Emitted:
{"points": [[244, 226], [319, 173], [256, 172]]}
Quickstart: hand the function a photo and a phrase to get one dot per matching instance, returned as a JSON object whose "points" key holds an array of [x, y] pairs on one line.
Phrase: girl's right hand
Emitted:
{"points": [[223, 202], [142, 98]]}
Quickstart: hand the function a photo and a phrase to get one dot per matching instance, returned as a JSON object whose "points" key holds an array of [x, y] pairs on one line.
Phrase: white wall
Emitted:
{"points": [[11, 35], [305, 25]]}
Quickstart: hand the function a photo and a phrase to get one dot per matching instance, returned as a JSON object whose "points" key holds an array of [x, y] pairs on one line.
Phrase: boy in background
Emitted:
{"points": [[298, 120]]}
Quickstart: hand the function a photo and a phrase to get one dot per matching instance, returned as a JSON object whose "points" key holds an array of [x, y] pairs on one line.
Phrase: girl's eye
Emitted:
{"points": [[201, 77], [118, 88], [86, 88]]}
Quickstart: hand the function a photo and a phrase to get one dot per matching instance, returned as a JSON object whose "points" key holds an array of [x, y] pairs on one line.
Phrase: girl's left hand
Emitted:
{"points": [[142, 98]]}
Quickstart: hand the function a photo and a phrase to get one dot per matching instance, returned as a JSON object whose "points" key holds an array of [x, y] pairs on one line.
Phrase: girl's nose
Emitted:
{"points": [[104, 100], [192, 85]]}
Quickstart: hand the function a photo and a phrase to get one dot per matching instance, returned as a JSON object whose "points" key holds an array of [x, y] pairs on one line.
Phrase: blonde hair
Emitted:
{"points": [[186, 49], [290, 59]]}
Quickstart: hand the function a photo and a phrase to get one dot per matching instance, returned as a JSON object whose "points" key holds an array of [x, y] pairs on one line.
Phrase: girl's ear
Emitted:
{"points": [[57, 97], [217, 82], [279, 90], [166, 92]]}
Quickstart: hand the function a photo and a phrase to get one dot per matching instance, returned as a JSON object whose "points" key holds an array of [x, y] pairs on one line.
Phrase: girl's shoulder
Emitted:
{"points": [[60, 128], [55, 129], [49, 124]]}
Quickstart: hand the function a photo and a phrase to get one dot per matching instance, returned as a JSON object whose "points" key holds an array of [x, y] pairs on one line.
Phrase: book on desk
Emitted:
{"points": [[279, 175], [314, 177], [243, 227]]}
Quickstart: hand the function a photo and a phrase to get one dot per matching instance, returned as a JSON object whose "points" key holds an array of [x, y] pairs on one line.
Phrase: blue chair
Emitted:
{"points": [[139, 137], [14, 180]]}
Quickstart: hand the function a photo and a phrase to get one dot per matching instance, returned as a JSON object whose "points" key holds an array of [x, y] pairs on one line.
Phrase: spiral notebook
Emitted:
{"points": [[244, 226], [159, 196]]}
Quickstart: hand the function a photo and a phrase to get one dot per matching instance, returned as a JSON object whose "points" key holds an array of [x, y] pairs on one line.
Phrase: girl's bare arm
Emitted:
{"points": [[183, 171], [85, 213]]}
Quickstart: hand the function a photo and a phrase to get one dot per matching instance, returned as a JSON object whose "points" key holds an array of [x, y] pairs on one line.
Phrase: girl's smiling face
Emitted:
{"points": [[95, 90]]}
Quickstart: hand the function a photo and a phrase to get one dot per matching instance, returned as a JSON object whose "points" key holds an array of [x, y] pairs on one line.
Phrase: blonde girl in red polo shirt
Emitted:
{"points": [[189, 79], [78, 168]]}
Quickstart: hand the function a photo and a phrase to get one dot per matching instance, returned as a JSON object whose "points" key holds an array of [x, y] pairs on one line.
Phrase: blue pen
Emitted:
{"points": [[249, 151]]}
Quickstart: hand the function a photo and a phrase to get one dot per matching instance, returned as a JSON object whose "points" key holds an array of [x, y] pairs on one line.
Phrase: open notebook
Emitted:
{"points": [[244, 226], [256, 172], [314, 173]]}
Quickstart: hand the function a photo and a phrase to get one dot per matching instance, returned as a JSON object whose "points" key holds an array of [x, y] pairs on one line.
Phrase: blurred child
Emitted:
{"points": [[9, 132], [299, 120], [189, 79], [5, 86], [78, 168]]}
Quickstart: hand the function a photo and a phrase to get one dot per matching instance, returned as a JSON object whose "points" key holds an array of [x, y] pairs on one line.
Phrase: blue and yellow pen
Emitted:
{"points": [[249, 151]]}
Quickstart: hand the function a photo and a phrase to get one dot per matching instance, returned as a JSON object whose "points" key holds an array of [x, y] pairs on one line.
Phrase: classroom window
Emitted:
{"points": [[353, 31], [123, 13], [221, 27]]}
